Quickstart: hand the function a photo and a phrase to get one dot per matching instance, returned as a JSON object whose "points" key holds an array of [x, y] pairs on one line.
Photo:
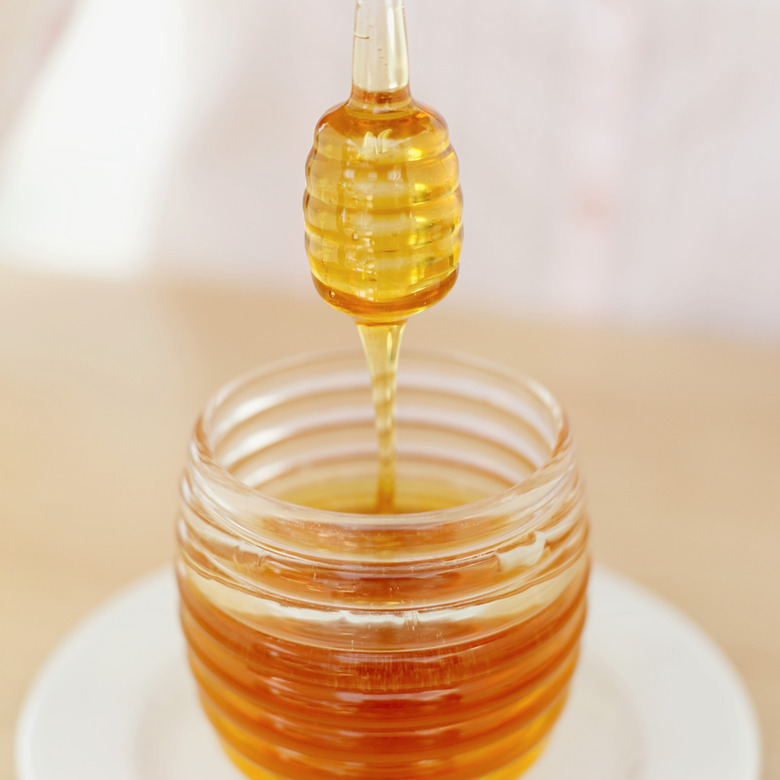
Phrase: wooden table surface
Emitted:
{"points": [[100, 383]]}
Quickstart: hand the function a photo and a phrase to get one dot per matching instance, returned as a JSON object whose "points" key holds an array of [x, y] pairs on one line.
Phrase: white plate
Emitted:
{"points": [[653, 699]]}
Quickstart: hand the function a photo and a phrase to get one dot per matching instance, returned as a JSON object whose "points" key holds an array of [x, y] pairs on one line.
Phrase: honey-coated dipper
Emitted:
{"points": [[383, 207]]}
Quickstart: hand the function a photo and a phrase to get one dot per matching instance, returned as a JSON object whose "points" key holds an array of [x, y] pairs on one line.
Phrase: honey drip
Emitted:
{"points": [[381, 344], [383, 208]]}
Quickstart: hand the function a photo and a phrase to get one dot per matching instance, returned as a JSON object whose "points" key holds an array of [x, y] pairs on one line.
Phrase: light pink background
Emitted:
{"points": [[620, 160]]}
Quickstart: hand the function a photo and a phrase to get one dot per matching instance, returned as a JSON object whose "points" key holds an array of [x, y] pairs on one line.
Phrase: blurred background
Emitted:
{"points": [[620, 160]]}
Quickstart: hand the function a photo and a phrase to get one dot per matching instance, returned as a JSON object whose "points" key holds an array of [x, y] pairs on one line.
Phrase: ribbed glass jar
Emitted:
{"points": [[434, 642]]}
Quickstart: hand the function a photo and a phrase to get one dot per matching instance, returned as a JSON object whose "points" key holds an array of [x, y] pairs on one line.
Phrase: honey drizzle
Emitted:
{"points": [[381, 344]]}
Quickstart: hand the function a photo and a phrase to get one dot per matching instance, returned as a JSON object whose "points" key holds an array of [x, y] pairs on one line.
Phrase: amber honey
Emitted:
{"points": [[386, 708], [383, 698]]}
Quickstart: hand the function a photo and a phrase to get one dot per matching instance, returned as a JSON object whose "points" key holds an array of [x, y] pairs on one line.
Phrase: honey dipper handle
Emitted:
{"points": [[380, 60]]}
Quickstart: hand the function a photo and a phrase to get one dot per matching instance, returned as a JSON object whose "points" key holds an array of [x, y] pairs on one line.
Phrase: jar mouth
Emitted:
{"points": [[505, 394]]}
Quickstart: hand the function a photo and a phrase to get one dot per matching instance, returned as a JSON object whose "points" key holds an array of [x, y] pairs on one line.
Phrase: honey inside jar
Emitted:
{"points": [[401, 700]]}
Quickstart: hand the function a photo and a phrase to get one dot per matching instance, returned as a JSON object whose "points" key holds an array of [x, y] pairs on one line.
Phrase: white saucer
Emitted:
{"points": [[653, 699]]}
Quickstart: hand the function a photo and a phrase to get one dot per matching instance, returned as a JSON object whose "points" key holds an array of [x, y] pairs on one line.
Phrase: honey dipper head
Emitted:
{"points": [[383, 204]]}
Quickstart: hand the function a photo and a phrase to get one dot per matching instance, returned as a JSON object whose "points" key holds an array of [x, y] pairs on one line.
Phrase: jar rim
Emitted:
{"points": [[547, 475]]}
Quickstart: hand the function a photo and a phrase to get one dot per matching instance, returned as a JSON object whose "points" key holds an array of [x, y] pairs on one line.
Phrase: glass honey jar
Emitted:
{"points": [[331, 641]]}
